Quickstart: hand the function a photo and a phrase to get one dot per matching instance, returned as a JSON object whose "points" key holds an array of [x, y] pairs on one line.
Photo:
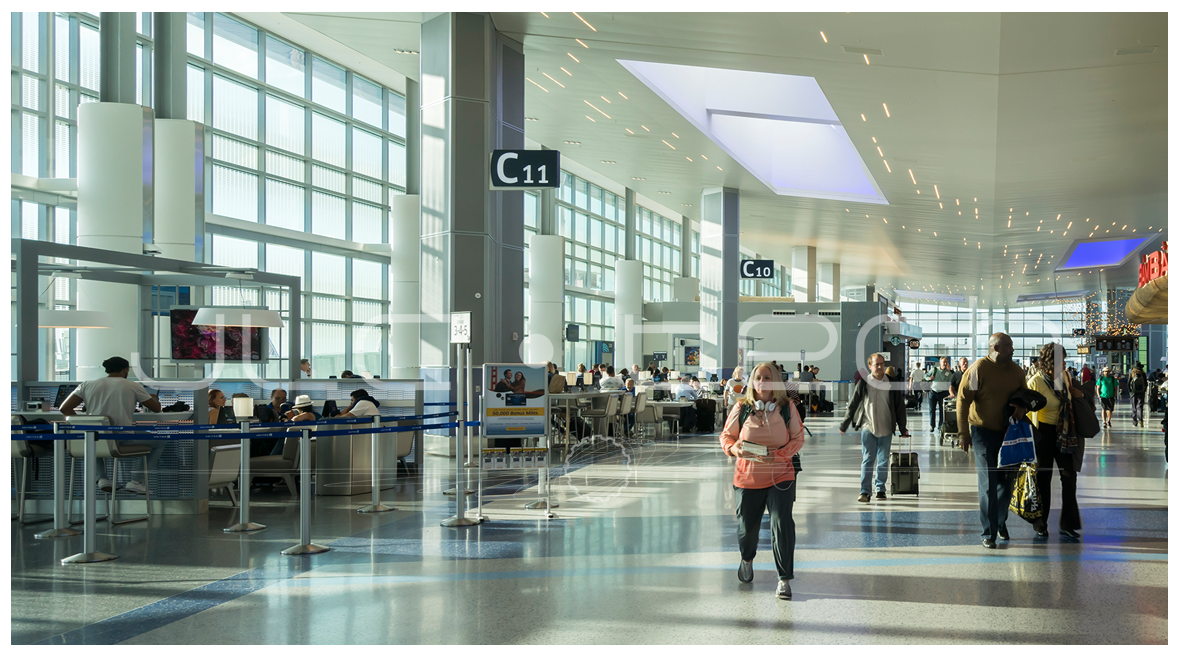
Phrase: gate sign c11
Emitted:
{"points": [[757, 269], [523, 169]]}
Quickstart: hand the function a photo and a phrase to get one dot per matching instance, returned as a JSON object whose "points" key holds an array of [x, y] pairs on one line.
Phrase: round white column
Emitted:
{"points": [[628, 313], [546, 299], [405, 332], [114, 197], [178, 171]]}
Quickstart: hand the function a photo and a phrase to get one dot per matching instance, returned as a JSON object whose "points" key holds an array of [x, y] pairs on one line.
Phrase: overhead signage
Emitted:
{"points": [[515, 400], [461, 327], [1109, 343], [1154, 265], [915, 344], [1079, 332], [757, 269], [571, 333], [523, 169], [659, 356], [1083, 349], [895, 340], [1101, 361]]}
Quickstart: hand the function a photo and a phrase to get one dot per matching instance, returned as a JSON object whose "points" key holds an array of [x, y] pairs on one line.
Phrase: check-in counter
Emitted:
{"points": [[344, 463]]}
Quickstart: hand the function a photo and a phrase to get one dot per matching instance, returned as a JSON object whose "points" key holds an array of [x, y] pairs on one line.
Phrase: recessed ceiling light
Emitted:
{"points": [[544, 14], [583, 44], [531, 118], [664, 192], [566, 71], [574, 142], [645, 128], [583, 20], [704, 157], [689, 158], [862, 117], [596, 108], [887, 167], [624, 97], [538, 86], [719, 168], [591, 119], [825, 37], [866, 60], [675, 134], [685, 204], [639, 179], [883, 104], [628, 130], [553, 80], [608, 162], [668, 144], [573, 57]]}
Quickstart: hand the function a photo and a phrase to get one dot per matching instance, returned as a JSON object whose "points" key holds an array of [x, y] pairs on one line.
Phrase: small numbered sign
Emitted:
{"points": [[461, 327]]}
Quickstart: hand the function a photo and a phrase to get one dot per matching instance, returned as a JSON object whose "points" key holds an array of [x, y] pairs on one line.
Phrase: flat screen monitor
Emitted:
{"points": [[571, 378], [191, 342], [588, 378], [63, 391]]}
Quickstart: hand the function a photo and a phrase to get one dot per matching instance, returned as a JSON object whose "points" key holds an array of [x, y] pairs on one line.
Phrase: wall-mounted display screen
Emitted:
{"points": [[204, 343]]}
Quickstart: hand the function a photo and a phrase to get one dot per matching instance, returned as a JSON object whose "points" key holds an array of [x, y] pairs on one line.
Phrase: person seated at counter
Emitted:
{"points": [[114, 396], [348, 374], [219, 413], [363, 405], [304, 410], [610, 382]]}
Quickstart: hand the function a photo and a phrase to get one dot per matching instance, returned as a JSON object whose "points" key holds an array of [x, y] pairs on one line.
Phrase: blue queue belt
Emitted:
{"points": [[227, 432]]}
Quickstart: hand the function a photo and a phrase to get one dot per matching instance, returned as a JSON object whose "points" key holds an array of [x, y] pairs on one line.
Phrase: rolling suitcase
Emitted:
{"points": [[903, 472], [949, 434], [706, 416]]}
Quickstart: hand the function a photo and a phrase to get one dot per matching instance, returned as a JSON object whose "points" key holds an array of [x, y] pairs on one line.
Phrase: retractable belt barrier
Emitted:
{"points": [[206, 432]]}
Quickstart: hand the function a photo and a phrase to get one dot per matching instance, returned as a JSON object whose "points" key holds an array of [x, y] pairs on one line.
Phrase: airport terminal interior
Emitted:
{"points": [[589, 328]]}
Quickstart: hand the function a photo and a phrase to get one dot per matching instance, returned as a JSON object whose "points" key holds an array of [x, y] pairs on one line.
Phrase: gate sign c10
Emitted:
{"points": [[521, 169], [757, 269]]}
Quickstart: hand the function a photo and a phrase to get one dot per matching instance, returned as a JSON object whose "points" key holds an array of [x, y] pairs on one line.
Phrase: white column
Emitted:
{"points": [[803, 273], [179, 176], [405, 355], [628, 313], [114, 204], [546, 299], [829, 282], [972, 338]]}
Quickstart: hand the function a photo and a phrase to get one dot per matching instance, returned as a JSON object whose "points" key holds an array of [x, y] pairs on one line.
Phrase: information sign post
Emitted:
{"points": [[516, 405], [460, 518]]}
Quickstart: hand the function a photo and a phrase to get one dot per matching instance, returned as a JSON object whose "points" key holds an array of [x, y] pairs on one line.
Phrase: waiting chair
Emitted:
{"points": [[284, 466], [23, 453], [224, 467], [644, 414], [109, 449], [621, 419], [604, 416]]}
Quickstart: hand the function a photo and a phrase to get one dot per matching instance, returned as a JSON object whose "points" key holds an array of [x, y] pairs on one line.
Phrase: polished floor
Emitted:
{"points": [[643, 551]]}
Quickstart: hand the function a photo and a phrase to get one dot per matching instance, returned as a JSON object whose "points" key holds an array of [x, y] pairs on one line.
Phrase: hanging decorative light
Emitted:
{"points": [[238, 317]]}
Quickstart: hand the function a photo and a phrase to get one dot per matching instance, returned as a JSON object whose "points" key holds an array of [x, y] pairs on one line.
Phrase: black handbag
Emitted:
{"points": [[1085, 422]]}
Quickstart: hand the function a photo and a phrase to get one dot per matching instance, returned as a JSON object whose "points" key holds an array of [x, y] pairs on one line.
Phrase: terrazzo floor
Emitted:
{"points": [[643, 551]]}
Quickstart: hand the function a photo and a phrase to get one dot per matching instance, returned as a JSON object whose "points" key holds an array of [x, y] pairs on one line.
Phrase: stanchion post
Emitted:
{"points": [[543, 475], [479, 516], [305, 545], [244, 486], [61, 528], [466, 414], [376, 506], [89, 553], [460, 518]]}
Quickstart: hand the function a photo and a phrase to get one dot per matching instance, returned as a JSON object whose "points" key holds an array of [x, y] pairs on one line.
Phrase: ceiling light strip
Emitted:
{"points": [[583, 20], [538, 85], [583, 44], [553, 80], [596, 108], [669, 144]]}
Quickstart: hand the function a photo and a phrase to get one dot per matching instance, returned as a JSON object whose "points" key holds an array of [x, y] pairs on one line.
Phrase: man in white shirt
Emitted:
{"points": [[610, 382], [363, 405], [114, 396], [304, 369]]}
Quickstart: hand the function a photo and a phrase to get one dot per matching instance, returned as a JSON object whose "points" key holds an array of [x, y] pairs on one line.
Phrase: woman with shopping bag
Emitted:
{"points": [[1058, 443]]}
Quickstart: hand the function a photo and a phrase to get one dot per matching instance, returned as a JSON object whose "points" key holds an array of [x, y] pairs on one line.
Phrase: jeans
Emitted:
{"points": [[1047, 454], [1137, 408], [874, 448], [936, 398], [138, 472], [995, 485], [779, 500]]}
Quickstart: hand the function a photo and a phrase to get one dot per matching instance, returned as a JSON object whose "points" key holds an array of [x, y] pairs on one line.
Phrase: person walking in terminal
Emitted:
{"points": [[940, 387], [114, 396], [1057, 443], [985, 391], [767, 420], [875, 409], [1108, 392], [1138, 387], [735, 387], [957, 377]]}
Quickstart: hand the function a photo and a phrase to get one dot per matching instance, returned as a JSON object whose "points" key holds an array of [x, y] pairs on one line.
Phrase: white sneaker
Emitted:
{"points": [[104, 485], [135, 487]]}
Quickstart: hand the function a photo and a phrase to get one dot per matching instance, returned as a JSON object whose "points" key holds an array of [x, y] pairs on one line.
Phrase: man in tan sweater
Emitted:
{"points": [[983, 394]]}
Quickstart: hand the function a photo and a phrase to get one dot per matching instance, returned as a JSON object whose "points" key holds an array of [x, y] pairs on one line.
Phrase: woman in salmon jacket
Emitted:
{"points": [[765, 417]]}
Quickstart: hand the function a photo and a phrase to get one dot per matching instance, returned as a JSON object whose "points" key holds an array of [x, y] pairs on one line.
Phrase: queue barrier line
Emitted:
{"points": [[90, 435], [190, 428]]}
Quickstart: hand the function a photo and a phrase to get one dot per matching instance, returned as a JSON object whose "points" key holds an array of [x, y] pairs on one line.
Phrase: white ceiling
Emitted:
{"points": [[1029, 112]]}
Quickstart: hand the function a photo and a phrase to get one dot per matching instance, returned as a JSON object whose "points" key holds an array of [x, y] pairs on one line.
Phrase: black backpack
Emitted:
{"points": [[745, 412], [1138, 384]]}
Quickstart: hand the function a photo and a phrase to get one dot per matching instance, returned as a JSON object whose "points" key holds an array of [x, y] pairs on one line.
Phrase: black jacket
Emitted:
{"points": [[855, 412]]}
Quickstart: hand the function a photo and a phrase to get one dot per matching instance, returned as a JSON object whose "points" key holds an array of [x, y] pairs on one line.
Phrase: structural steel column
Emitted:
{"points": [[720, 258], [803, 273]]}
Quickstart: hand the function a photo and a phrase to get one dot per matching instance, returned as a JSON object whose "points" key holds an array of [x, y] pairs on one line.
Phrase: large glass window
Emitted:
{"points": [[657, 243]]}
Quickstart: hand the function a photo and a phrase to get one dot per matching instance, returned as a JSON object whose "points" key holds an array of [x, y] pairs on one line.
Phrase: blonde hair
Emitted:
{"points": [[778, 390], [737, 372]]}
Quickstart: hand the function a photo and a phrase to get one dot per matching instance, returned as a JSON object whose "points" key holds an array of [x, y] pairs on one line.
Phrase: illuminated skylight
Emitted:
{"points": [[1101, 252], [781, 128]]}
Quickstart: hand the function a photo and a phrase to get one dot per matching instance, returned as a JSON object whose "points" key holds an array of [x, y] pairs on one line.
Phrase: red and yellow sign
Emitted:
{"points": [[1154, 265]]}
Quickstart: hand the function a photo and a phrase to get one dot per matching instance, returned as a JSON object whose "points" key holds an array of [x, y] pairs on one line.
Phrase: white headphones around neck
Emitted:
{"points": [[759, 405]]}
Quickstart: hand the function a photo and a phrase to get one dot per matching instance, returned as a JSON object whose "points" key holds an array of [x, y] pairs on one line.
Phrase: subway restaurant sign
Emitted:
{"points": [[1154, 265]]}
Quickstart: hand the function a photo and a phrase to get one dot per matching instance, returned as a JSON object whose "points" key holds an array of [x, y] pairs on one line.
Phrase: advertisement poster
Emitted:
{"points": [[692, 355], [514, 399]]}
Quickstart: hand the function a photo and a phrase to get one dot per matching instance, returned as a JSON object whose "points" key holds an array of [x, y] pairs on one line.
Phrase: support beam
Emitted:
{"points": [[829, 282], [803, 273], [720, 258]]}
